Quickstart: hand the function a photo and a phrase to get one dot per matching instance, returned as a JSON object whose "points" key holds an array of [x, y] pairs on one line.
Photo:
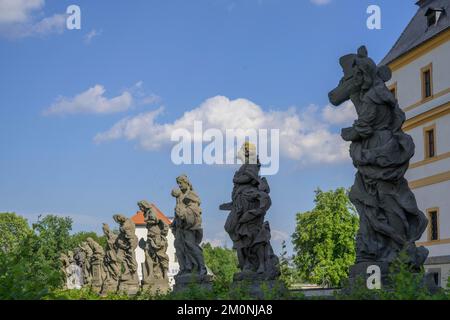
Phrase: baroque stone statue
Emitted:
{"points": [[87, 255], [246, 223], [112, 268], [155, 271], [188, 232], [390, 221], [126, 244], [97, 266]]}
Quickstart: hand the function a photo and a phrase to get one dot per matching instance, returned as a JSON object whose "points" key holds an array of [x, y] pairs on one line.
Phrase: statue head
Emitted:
{"points": [[144, 205], [105, 228], [119, 218], [184, 183], [247, 153], [360, 74]]}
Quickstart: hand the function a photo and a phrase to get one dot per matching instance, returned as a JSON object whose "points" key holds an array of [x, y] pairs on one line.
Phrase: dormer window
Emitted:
{"points": [[433, 16]]}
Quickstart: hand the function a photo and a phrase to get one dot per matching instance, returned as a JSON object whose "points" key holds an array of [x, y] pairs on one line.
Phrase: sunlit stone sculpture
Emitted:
{"points": [[112, 267], [188, 232], [156, 266], [126, 244], [97, 266]]}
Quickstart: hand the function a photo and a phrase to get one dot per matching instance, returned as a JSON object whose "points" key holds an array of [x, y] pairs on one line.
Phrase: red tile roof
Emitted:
{"points": [[138, 218]]}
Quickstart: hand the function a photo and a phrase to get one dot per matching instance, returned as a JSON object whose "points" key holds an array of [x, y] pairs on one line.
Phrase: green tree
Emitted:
{"points": [[13, 229], [324, 238], [77, 238], [223, 264], [31, 270], [288, 271], [53, 236]]}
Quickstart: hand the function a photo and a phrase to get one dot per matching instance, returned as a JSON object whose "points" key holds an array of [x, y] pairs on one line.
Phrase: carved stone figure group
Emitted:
{"points": [[114, 267], [390, 221]]}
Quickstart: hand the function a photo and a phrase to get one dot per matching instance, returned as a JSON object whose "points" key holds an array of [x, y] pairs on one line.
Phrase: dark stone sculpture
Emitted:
{"points": [[126, 244], [390, 221], [155, 271], [246, 223], [188, 232]]}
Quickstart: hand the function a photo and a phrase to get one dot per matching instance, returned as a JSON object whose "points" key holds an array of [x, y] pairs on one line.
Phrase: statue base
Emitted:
{"points": [[109, 286], [259, 289], [129, 286], [156, 286], [376, 274], [185, 281]]}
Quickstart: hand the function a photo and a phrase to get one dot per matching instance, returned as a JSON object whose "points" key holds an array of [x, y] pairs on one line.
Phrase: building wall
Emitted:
{"points": [[141, 233], [434, 195], [408, 77]]}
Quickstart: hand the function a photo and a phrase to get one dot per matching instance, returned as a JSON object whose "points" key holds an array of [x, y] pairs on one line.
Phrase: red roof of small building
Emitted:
{"points": [[138, 218]]}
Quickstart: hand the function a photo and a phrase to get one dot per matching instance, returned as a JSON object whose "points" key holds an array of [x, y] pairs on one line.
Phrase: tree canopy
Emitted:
{"points": [[324, 238], [13, 229]]}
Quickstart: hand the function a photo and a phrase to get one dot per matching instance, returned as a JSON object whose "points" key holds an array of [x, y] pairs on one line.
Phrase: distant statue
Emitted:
{"points": [[65, 263], [72, 273], [97, 266], [246, 223], [112, 268], [187, 228], [87, 271], [390, 221], [126, 244], [156, 260]]}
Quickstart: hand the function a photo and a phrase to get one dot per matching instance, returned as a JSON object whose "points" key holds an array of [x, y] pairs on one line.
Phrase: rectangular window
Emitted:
{"points": [[430, 141], [427, 81], [433, 224]]}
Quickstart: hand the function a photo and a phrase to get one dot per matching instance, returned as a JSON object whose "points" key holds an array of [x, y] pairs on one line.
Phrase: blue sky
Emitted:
{"points": [[134, 57]]}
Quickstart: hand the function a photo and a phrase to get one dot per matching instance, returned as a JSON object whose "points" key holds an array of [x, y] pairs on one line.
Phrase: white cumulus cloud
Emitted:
{"points": [[345, 114], [304, 136], [94, 101], [16, 11], [19, 19]]}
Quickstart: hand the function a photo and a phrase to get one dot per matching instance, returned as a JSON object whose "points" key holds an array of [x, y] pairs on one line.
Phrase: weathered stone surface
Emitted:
{"points": [[259, 289], [156, 264], [188, 232], [74, 277], [125, 244], [97, 267], [112, 267], [246, 223], [184, 281], [390, 221]]}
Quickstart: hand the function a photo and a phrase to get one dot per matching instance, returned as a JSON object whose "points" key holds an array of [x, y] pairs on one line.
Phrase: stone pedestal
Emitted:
{"points": [[367, 274], [258, 285], [360, 273], [259, 289], [130, 285], [109, 286], [184, 281], [156, 286]]}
